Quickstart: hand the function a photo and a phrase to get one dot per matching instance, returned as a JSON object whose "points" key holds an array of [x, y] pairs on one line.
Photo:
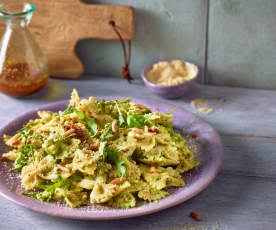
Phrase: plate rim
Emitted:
{"points": [[113, 213]]}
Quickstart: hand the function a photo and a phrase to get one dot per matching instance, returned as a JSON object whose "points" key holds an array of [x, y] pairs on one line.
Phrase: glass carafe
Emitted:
{"points": [[23, 66]]}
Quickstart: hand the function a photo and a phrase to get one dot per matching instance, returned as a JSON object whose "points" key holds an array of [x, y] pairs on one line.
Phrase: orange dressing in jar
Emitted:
{"points": [[23, 66]]}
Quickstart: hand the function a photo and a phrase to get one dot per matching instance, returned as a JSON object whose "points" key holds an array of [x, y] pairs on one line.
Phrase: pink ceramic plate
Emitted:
{"points": [[210, 157]]}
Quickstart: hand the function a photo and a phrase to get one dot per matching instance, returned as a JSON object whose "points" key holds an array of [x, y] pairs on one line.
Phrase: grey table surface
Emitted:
{"points": [[241, 197]]}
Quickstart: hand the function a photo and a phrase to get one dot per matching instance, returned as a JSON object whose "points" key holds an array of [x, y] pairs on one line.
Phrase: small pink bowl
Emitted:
{"points": [[174, 91]]}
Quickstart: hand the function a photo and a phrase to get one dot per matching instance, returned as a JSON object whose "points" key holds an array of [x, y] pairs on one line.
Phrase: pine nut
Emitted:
{"points": [[69, 132], [138, 131], [118, 181], [141, 106], [61, 167], [154, 130], [94, 146], [152, 169], [196, 216], [114, 126], [146, 129]]}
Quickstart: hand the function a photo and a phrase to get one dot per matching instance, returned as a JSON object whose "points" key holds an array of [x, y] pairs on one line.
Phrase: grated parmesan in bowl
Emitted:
{"points": [[171, 73], [170, 79]]}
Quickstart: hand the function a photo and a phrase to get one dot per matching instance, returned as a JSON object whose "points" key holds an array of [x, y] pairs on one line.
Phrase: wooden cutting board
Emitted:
{"points": [[59, 24]]}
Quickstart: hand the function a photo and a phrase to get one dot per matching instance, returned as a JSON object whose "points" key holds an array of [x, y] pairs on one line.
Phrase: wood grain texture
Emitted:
{"points": [[237, 111], [59, 25], [241, 197], [249, 155], [229, 203]]}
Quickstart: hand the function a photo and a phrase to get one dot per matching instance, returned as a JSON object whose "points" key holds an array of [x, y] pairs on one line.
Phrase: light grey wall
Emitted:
{"points": [[235, 45], [242, 43], [164, 29]]}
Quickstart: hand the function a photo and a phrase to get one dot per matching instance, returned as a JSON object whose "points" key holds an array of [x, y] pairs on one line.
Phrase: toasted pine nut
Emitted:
{"points": [[124, 149], [141, 106], [146, 129], [138, 131], [69, 132], [114, 189], [154, 130], [118, 181], [100, 131], [114, 126], [16, 142], [152, 169], [4, 159], [74, 120], [41, 131], [196, 216], [94, 146], [61, 167]]}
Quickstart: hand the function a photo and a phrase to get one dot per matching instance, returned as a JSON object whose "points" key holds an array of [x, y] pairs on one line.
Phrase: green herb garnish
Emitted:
{"points": [[135, 121], [102, 149], [107, 133], [59, 139], [172, 110], [121, 117], [91, 123], [26, 152], [66, 183], [25, 131], [68, 110], [112, 156], [39, 196]]}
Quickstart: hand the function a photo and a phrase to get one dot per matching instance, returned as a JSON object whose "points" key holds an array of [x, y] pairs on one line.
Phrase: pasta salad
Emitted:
{"points": [[113, 152]]}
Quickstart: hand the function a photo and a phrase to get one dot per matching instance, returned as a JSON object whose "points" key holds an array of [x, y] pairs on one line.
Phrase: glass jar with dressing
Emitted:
{"points": [[23, 66]]}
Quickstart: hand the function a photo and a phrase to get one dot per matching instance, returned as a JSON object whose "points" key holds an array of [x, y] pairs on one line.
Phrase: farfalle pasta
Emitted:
{"points": [[113, 152]]}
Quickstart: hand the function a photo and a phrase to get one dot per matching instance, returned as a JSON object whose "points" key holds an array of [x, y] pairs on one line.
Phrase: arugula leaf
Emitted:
{"points": [[102, 149], [48, 151], [121, 117], [68, 110], [172, 110], [36, 136], [91, 123], [135, 121], [93, 127], [102, 105], [112, 156], [58, 140], [26, 151], [120, 165], [170, 131], [107, 133], [25, 131], [124, 101], [80, 114], [67, 183], [20, 162], [38, 196]]}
